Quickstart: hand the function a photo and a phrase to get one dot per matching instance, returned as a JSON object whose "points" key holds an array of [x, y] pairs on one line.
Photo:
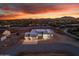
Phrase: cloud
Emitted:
{"points": [[35, 8], [18, 10], [45, 8]]}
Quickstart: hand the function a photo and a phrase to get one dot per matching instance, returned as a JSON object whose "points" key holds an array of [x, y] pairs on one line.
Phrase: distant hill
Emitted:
{"points": [[62, 18]]}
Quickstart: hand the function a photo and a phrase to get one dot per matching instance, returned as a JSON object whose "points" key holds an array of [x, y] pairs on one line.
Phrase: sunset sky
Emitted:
{"points": [[38, 10]]}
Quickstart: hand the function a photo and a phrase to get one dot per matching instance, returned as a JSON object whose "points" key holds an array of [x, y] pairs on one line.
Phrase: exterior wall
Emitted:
{"points": [[46, 36]]}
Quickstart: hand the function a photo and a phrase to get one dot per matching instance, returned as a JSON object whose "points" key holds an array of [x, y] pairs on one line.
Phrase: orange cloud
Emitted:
{"points": [[17, 15], [42, 11]]}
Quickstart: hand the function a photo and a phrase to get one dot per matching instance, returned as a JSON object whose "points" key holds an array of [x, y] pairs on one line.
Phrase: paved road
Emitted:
{"points": [[42, 47]]}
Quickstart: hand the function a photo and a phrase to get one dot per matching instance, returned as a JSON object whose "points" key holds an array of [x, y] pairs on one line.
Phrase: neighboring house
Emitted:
{"points": [[5, 34], [39, 34]]}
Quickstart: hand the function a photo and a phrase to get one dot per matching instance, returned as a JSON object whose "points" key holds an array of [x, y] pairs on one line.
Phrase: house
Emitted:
{"points": [[5, 34], [39, 34]]}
